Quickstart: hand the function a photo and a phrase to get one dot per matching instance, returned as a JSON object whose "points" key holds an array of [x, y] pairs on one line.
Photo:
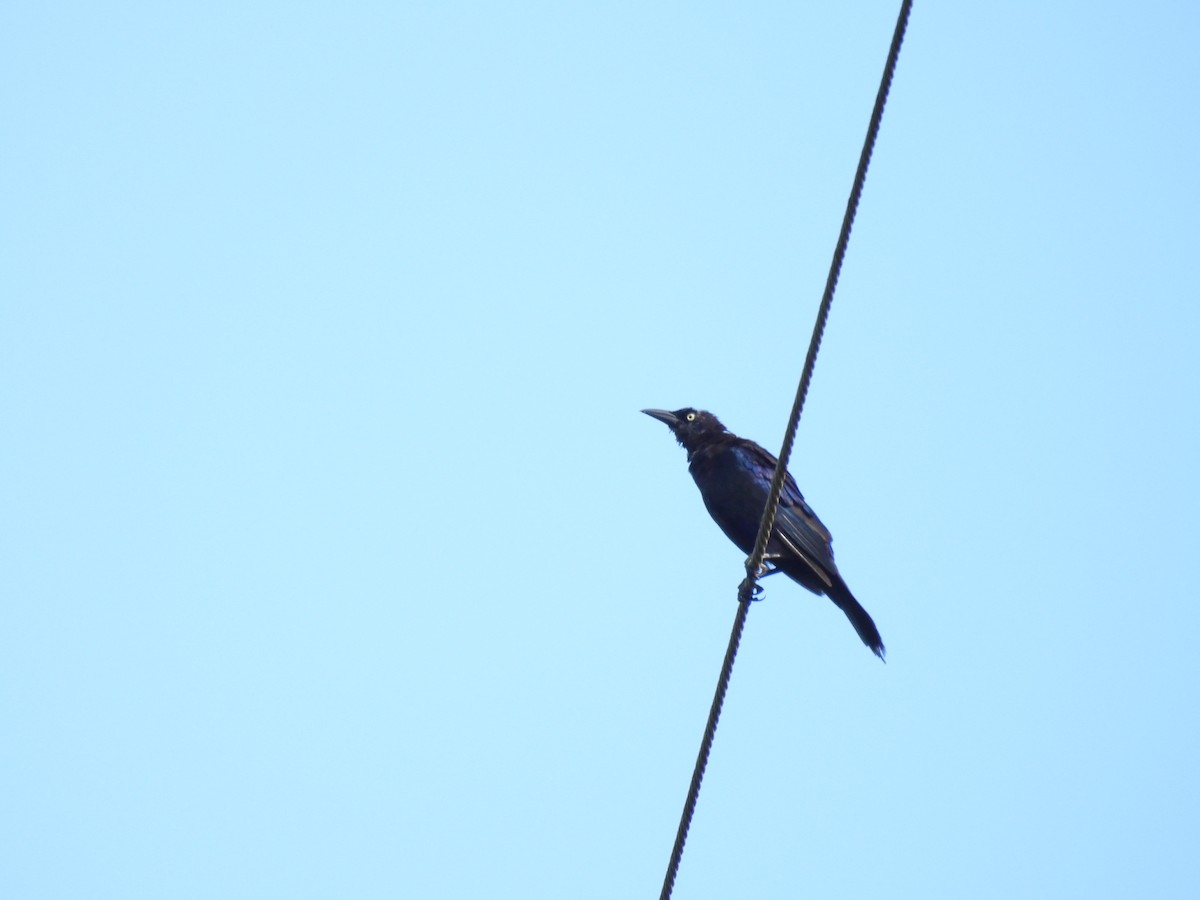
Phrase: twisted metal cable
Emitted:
{"points": [[755, 560]]}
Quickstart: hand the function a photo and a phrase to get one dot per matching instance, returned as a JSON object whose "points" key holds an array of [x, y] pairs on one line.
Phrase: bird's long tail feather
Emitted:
{"points": [[859, 617]]}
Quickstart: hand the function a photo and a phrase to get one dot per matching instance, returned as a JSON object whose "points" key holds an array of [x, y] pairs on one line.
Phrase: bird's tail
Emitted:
{"points": [[859, 617]]}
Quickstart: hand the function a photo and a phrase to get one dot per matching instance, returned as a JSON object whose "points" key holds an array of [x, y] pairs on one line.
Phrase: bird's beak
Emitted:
{"points": [[667, 418]]}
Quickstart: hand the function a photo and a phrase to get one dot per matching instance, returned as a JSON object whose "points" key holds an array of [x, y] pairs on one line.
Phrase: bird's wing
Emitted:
{"points": [[797, 527]]}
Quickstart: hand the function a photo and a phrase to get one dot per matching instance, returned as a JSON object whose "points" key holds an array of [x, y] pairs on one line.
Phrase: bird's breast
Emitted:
{"points": [[733, 494]]}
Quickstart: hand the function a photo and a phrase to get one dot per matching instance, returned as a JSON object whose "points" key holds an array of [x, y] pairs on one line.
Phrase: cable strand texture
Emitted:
{"points": [[755, 560]]}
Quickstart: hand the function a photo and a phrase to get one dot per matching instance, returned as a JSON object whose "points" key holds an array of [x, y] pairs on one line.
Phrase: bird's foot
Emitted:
{"points": [[750, 589]]}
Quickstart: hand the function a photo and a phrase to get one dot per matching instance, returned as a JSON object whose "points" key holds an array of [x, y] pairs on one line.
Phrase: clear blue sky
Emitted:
{"points": [[339, 562]]}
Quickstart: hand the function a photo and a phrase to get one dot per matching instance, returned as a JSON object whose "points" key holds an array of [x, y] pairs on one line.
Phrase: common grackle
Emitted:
{"points": [[734, 477]]}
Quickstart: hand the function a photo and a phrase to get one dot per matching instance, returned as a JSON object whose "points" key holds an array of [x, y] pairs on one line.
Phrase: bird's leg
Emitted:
{"points": [[768, 566]]}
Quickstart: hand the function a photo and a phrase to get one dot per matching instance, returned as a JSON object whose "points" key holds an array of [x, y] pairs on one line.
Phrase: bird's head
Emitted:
{"points": [[691, 427]]}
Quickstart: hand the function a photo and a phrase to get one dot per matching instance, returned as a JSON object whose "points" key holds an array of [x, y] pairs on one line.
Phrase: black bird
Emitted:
{"points": [[734, 477]]}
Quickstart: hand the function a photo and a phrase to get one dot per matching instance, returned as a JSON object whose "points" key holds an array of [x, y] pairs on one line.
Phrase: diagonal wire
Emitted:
{"points": [[755, 560]]}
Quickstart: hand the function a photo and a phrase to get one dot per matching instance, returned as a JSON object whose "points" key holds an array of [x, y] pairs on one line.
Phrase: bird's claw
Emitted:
{"points": [[750, 589]]}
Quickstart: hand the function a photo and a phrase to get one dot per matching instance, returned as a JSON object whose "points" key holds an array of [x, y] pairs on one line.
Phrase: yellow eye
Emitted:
{"points": [[691, 417]]}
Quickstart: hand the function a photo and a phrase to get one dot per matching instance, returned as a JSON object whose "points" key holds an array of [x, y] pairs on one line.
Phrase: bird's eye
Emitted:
{"points": [[691, 417]]}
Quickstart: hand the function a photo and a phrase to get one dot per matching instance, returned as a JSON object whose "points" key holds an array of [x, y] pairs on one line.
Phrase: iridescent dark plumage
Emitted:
{"points": [[734, 477]]}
